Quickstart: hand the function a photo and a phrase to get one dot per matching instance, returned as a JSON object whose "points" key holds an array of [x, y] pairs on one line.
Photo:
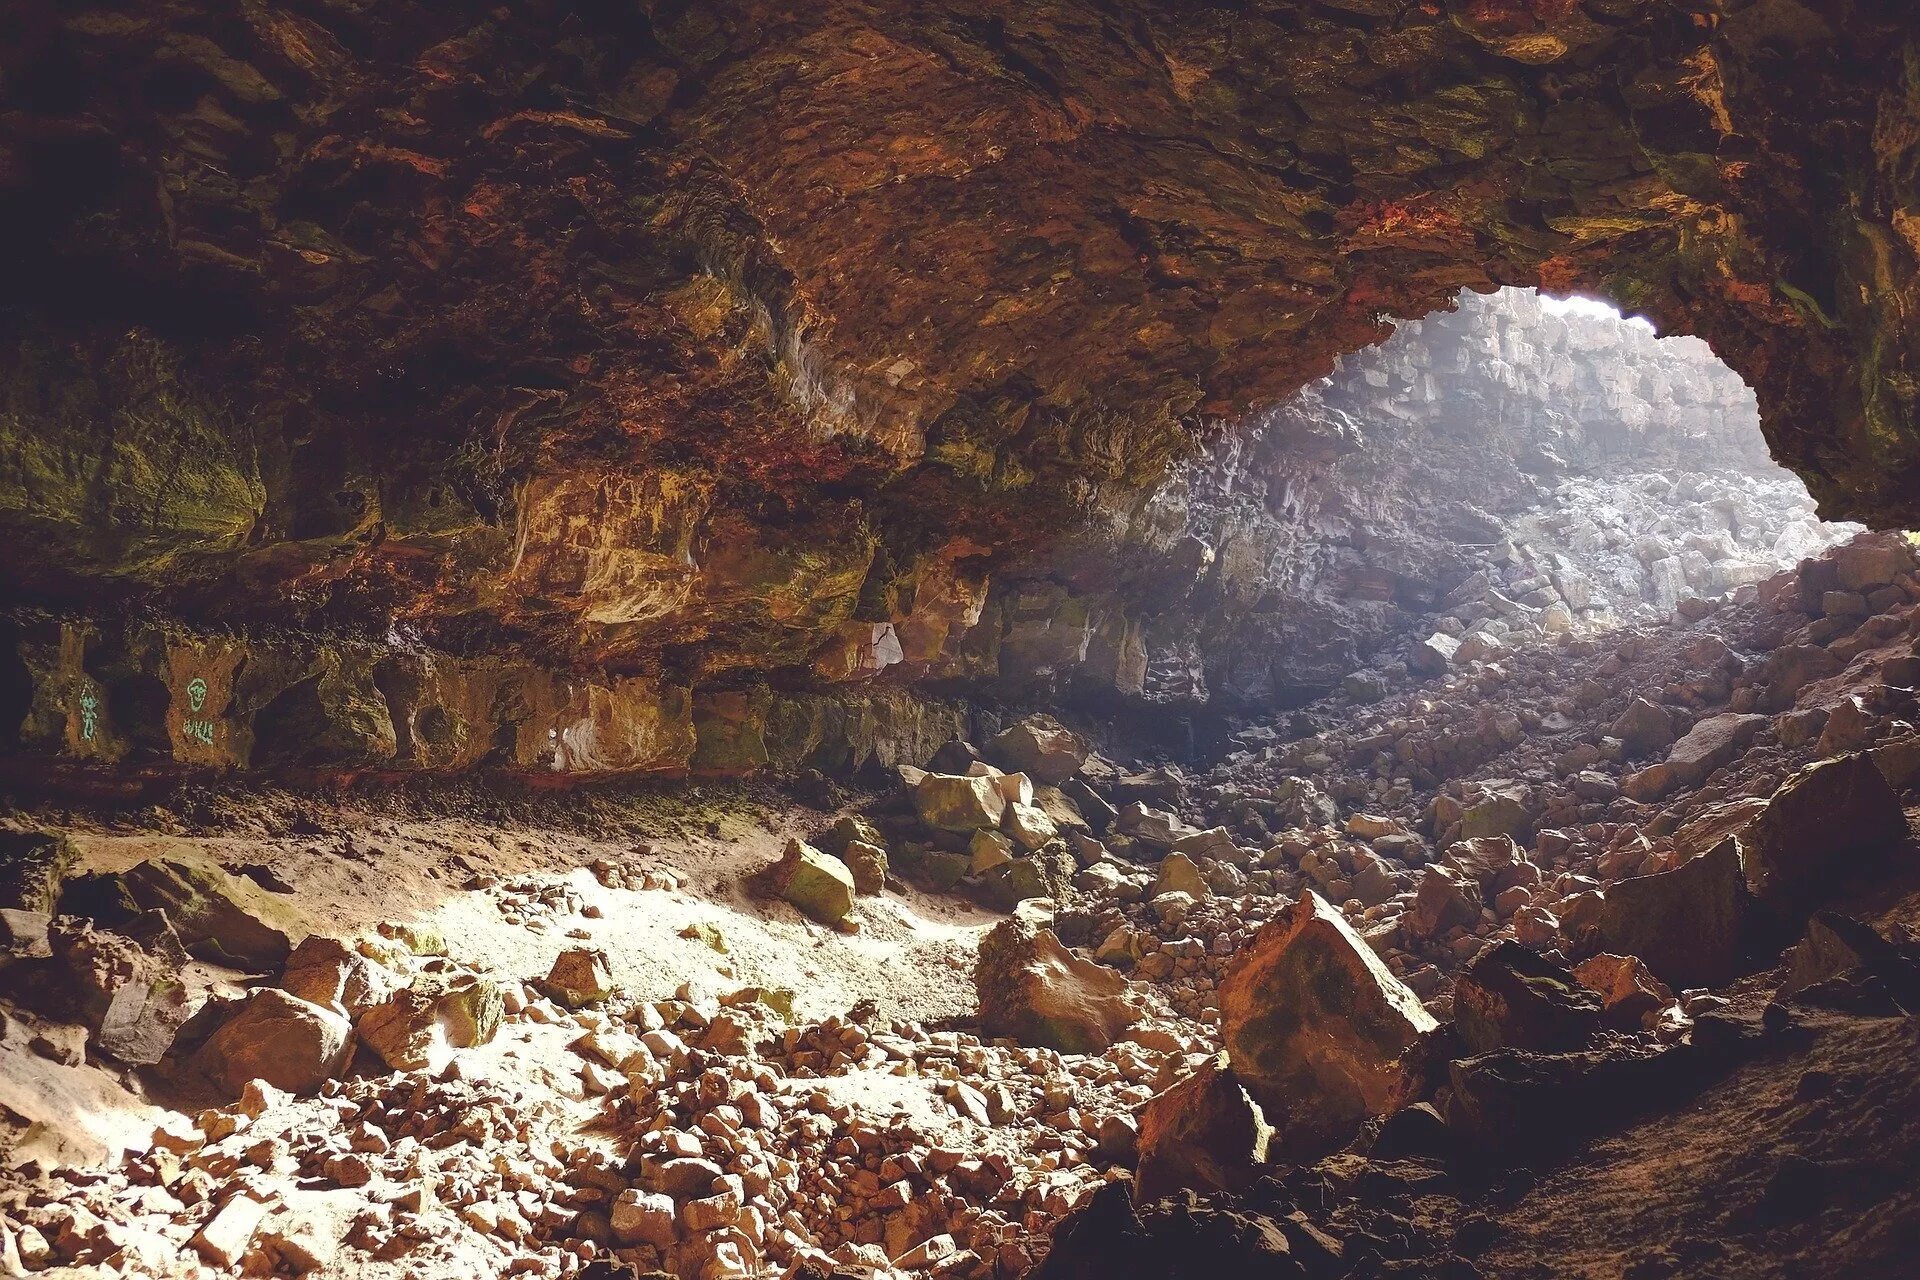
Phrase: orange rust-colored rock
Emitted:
{"points": [[1315, 1025]]}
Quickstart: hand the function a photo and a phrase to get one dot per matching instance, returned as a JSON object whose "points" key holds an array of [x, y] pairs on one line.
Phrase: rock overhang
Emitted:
{"points": [[696, 337]]}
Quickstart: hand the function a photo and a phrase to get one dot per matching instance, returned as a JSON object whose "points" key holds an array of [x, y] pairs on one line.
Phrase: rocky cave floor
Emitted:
{"points": [[447, 1029]]}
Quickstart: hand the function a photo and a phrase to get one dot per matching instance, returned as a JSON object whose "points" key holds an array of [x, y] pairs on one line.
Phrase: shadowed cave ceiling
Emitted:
{"points": [[685, 337]]}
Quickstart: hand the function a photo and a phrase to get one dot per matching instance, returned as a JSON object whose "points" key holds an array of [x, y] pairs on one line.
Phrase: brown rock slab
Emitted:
{"points": [[1689, 924], [1710, 744], [1041, 747], [279, 1038], [419, 1026], [327, 971], [224, 1239], [1631, 996], [219, 916], [1202, 1134], [580, 976], [1315, 1025], [1513, 998], [821, 886], [1445, 899], [1035, 990], [957, 802], [1829, 822]]}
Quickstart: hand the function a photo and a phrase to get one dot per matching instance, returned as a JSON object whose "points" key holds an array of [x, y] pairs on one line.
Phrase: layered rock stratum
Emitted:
{"points": [[692, 343]]}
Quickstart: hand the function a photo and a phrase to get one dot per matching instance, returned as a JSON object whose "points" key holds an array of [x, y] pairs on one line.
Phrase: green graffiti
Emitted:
{"points": [[196, 694], [200, 731], [89, 714]]}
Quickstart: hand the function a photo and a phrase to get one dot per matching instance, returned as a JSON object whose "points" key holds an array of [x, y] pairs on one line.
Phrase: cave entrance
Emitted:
{"points": [[1519, 468]]}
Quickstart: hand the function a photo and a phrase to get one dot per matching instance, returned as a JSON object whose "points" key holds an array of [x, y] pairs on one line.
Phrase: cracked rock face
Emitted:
{"points": [[716, 338]]}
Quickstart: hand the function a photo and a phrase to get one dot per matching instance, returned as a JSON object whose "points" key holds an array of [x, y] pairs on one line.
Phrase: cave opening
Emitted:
{"points": [[1513, 470], [865, 642]]}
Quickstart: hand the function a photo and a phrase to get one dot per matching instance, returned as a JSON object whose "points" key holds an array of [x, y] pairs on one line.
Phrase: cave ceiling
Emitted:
{"points": [[686, 333]]}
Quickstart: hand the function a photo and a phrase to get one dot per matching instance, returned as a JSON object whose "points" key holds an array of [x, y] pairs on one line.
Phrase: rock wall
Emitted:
{"points": [[1476, 474], [697, 342]]}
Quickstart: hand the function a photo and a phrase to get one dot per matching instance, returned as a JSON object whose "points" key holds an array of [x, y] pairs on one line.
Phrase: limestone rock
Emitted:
{"points": [[987, 850], [868, 863], [1029, 825], [1433, 656], [1642, 727], [1302, 802], [1033, 989], [1041, 747], [1838, 946], [1178, 874], [218, 916], [1445, 899], [1709, 745], [580, 976], [325, 971], [419, 1026], [1202, 1134], [279, 1038], [1632, 998], [953, 802], [1831, 821], [644, 1217], [820, 886], [1499, 811], [1044, 873], [224, 1239], [1315, 1025], [32, 866]]}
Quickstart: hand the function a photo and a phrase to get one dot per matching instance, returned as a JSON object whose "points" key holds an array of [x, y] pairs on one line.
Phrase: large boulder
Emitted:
{"points": [[1034, 990], [1040, 747], [1512, 998], [1831, 821], [1047, 872], [1315, 1026], [958, 802], [1643, 727], [1689, 924], [1500, 810], [219, 917], [1839, 947], [280, 1038], [1203, 1134], [1631, 996], [130, 997], [1179, 874], [326, 971], [1433, 656], [1300, 802], [419, 1026], [819, 885]]}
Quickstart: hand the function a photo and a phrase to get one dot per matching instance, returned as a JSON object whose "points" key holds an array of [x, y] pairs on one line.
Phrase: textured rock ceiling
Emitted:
{"points": [[692, 331]]}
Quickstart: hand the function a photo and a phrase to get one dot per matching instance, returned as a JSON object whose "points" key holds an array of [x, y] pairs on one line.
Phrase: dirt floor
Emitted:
{"points": [[510, 883]]}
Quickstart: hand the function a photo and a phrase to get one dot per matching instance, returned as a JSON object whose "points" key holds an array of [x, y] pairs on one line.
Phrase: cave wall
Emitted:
{"points": [[1290, 551], [738, 346]]}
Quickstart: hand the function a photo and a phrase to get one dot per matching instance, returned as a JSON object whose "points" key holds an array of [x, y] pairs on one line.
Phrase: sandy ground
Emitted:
{"points": [[509, 892]]}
